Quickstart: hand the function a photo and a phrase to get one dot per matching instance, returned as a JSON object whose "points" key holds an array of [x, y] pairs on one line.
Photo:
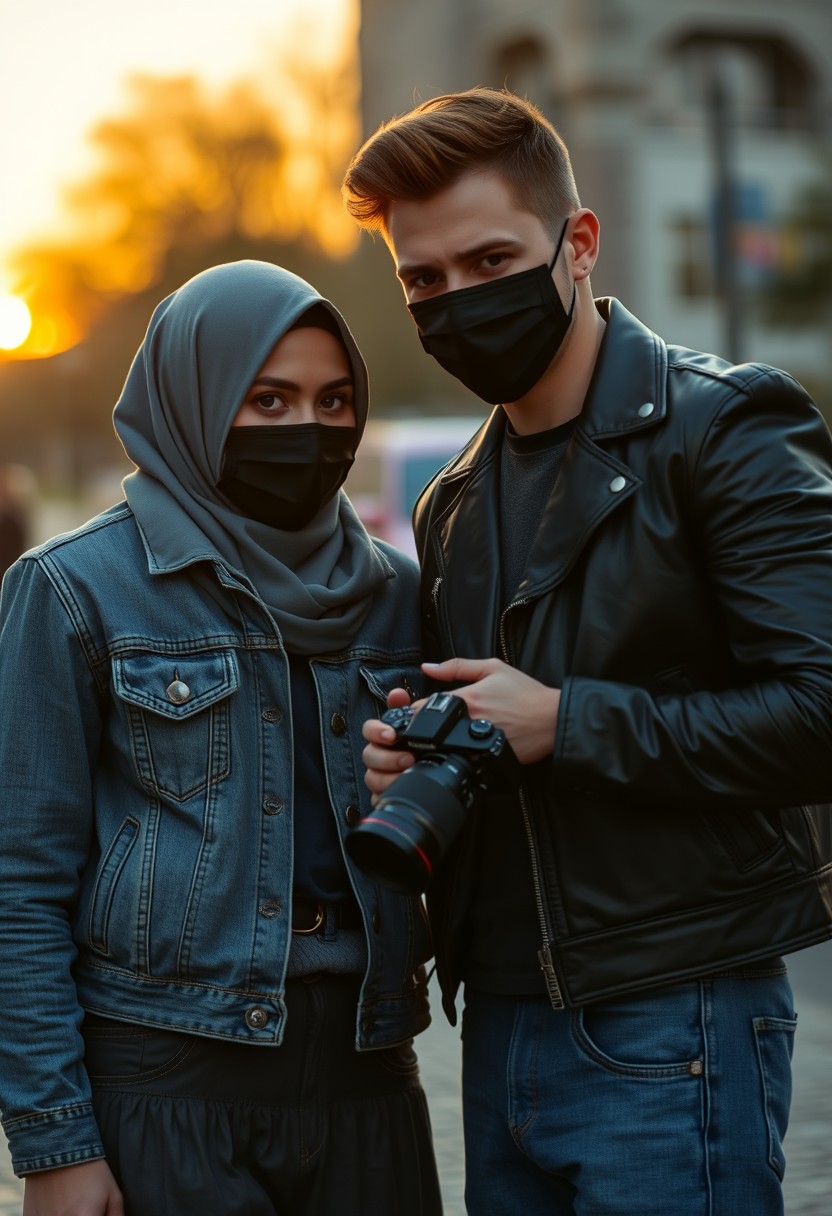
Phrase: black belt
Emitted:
{"points": [[315, 916]]}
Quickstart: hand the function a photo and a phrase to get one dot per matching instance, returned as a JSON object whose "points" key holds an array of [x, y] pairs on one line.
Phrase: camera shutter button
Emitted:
{"points": [[480, 728]]}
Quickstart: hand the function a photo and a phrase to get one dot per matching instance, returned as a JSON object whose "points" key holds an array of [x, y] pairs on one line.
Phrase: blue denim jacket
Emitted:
{"points": [[146, 839]]}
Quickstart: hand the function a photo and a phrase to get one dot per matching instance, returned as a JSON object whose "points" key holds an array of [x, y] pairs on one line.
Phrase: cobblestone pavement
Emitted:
{"points": [[809, 1175]]}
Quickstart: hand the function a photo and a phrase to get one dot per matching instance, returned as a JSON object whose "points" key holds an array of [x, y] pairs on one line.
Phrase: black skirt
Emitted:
{"points": [[198, 1127]]}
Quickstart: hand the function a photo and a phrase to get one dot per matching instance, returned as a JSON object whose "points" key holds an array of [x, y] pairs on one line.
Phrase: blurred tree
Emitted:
{"points": [[180, 171], [802, 291], [185, 179]]}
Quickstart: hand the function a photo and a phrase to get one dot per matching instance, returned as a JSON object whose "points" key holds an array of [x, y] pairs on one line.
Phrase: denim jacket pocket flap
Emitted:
{"points": [[176, 688], [380, 681]]}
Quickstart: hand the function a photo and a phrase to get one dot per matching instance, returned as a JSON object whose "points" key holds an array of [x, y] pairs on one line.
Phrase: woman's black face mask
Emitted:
{"points": [[499, 337], [283, 475]]}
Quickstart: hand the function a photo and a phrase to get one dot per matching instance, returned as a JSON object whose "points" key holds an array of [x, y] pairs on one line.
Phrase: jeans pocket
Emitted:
{"points": [[775, 1044], [654, 1036], [127, 1054]]}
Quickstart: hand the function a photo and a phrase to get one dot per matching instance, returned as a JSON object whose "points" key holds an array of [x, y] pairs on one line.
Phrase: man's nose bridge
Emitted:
{"points": [[456, 277]]}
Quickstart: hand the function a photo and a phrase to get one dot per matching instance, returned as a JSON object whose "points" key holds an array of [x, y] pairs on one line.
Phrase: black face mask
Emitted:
{"points": [[499, 337], [283, 475]]}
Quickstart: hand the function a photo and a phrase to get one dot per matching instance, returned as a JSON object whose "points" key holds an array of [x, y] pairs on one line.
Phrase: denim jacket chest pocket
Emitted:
{"points": [[178, 712], [380, 680]]}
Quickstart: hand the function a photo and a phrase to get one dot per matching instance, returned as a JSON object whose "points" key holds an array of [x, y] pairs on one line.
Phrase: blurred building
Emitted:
{"points": [[631, 85]]}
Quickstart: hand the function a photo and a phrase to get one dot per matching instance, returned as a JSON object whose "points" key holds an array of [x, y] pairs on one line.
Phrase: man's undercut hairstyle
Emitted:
{"points": [[427, 150]]}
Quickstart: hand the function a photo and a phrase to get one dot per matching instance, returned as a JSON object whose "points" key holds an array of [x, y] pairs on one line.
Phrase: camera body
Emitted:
{"points": [[421, 813], [442, 724]]}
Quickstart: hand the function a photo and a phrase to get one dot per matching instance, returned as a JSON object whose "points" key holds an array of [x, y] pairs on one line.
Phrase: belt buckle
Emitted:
{"points": [[320, 918]]}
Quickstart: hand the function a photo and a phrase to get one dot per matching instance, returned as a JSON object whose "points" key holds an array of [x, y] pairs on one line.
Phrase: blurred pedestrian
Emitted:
{"points": [[205, 1009], [14, 516]]}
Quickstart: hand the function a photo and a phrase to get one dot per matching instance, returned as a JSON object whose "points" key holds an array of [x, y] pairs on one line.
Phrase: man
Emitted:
{"points": [[629, 570]]}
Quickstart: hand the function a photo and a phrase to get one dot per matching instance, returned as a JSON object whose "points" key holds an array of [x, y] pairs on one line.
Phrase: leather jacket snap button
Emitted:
{"points": [[617, 484], [644, 411]]}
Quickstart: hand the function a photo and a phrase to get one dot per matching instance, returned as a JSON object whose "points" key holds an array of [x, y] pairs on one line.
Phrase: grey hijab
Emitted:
{"points": [[203, 347]]}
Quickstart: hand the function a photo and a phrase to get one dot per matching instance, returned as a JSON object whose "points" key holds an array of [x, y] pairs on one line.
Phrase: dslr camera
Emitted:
{"points": [[418, 817]]}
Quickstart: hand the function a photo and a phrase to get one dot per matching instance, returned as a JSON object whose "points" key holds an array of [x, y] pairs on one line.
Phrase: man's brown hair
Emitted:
{"points": [[428, 149]]}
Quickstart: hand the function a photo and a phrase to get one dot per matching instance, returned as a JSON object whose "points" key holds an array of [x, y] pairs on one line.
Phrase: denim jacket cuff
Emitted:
{"points": [[50, 1139]]}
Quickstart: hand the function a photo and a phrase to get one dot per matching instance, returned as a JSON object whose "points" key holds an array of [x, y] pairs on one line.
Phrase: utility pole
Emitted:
{"points": [[722, 132]]}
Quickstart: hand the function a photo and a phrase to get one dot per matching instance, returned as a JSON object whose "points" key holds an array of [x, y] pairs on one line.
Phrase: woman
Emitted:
{"points": [[189, 962]]}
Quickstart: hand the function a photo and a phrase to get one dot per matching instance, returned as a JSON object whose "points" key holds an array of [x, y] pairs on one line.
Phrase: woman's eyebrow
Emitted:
{"points": [[276, 382]]}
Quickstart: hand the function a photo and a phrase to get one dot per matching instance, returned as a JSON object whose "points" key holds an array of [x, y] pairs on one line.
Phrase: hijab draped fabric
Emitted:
{"points": [[203, 348]]}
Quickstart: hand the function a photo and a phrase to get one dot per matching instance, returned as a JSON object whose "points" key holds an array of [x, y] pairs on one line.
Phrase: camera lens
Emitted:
{"points": [[413, 824]]}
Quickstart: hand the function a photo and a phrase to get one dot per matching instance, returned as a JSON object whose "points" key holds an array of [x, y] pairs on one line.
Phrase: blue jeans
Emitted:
{"points": [[672, 1103]]}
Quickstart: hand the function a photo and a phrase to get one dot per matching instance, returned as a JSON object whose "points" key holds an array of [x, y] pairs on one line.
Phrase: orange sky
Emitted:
{"points": [[62, 67]]}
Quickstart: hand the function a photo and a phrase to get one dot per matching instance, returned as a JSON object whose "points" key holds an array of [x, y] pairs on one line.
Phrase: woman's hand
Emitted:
{"points": [[88, 1189], [383, 764]]}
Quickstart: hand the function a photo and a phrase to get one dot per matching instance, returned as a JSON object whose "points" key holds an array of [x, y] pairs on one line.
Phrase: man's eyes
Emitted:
{"points": [[428, 279]]}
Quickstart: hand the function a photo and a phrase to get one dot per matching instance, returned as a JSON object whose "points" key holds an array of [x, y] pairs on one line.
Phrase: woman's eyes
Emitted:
{"points": [[334, 402], [269, 403]]}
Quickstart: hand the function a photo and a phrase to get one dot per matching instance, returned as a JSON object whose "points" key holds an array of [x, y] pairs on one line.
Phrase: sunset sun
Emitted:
{"points": [[15, 322]]}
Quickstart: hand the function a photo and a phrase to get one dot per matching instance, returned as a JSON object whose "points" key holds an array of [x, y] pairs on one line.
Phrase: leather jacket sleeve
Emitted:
{"points": [[760, 508]]}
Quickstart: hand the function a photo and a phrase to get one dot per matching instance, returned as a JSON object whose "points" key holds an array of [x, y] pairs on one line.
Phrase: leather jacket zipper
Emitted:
{"points": [[545, 956]]}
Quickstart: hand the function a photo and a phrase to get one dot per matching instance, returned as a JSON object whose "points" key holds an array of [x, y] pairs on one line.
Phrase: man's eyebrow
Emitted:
{"points": [[407, 269], [276, 382]]}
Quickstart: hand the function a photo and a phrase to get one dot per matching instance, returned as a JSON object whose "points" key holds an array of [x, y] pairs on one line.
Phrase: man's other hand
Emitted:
{"points": [[523, 707]]}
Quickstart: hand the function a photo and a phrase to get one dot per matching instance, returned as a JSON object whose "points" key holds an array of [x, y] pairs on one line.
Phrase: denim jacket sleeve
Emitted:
{"points": [[51, 727]]}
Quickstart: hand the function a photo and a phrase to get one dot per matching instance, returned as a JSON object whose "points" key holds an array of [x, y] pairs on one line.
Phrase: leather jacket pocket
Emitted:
{"points": [[748, 837], [178, 709]]}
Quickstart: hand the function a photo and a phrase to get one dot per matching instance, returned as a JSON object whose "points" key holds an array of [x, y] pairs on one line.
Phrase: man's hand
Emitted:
{"points": [[523, 707], [88, 1189]]}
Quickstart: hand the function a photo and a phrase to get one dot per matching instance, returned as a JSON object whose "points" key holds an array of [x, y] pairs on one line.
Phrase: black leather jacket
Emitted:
{"points": [[679, 591]]}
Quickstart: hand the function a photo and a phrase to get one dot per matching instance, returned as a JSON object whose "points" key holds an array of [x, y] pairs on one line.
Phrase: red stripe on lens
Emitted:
{"points": [[399, 832]]}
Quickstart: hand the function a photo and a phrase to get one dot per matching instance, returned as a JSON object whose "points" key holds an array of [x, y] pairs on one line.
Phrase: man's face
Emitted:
{"points": [[470, 233]]}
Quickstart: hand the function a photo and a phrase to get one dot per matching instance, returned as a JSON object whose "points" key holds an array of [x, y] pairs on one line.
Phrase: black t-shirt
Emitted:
{"points": [[320, 871], [503, 925]]}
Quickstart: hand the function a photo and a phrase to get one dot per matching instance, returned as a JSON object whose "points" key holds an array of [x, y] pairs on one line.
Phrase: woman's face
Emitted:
{"points": [[306, 378]]}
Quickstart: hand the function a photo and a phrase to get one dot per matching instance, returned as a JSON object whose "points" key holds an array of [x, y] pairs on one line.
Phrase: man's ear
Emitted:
{"points": [[583, 236]]}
